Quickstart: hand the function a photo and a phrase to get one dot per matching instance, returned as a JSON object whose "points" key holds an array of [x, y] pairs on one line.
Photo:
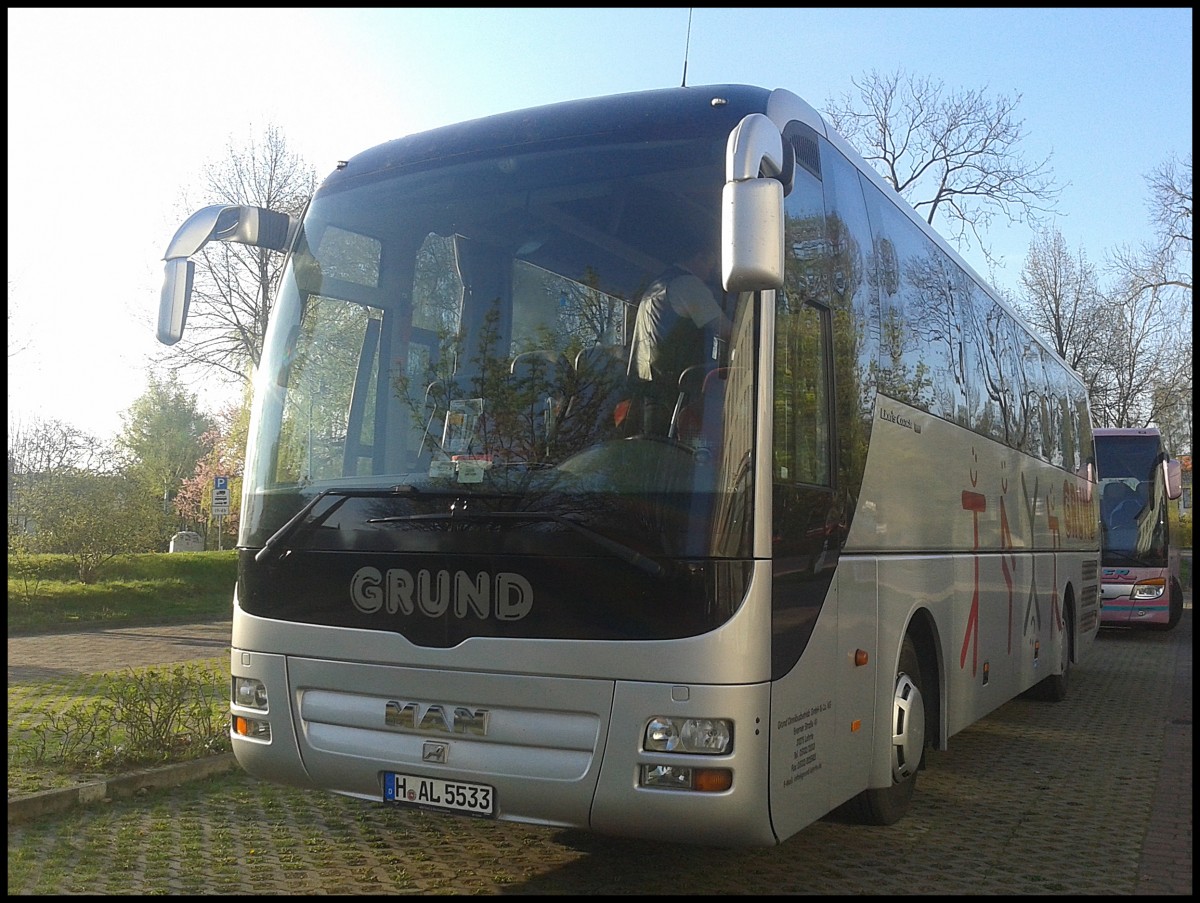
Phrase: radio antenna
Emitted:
{"points": [[686, 46]]}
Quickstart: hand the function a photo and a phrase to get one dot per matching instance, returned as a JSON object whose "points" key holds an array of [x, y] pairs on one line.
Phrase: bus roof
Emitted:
{"points": [[662, 112], [1126, 431]]}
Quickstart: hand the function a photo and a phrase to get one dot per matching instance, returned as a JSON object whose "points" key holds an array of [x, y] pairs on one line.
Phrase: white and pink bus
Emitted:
{"points": [[1140, 584]]}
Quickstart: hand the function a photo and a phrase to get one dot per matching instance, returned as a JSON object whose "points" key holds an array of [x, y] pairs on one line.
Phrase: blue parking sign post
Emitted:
{"points": [[220, 503]]}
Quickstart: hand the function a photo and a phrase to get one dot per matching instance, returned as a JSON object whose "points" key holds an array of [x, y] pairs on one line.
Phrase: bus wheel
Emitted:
{"points": [[1054, 688], [1176, 609], [887, 805]]}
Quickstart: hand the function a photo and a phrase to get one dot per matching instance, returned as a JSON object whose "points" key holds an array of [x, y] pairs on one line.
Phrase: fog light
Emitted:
{"points": [[676, 777], [251, 728], [670, 777]]}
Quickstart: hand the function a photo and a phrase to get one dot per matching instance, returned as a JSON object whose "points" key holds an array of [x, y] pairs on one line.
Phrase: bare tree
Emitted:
{"points": [[41, 446], [235, 284], [1063, 301], [1143, 355], [953, 154], [1126, 340], [1155, 281], [1166, 261]]}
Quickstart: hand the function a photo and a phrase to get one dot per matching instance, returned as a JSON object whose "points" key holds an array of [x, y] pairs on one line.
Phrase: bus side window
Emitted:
{"points": [[802, 400]]}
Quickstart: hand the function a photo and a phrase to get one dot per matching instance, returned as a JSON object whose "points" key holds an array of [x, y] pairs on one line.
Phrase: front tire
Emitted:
{"points": [[1055, 687], [1176, 608], [887, 805]]}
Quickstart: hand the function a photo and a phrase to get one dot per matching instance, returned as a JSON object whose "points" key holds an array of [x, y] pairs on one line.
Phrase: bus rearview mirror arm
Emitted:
{"points": [[254, 226]]}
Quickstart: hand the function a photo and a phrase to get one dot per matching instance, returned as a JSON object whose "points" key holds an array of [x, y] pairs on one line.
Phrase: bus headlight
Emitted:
{"points": [[250, 693], [1149, 589], [706, 736]]}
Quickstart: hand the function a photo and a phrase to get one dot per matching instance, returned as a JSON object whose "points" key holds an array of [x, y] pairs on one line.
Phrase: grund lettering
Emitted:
{"points": [[506, 596]]}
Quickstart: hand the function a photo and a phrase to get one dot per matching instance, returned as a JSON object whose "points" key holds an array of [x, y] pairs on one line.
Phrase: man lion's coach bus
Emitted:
{"points": [[530, 531], [1139, 582]]}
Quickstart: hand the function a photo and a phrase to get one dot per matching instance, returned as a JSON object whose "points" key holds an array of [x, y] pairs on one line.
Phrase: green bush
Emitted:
{"points": [[1181, 532], [45, 594], [149, 716]]}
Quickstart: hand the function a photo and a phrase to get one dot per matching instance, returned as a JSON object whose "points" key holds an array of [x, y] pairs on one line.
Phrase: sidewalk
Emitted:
{"points": [[87, 652], [1165, 864]]}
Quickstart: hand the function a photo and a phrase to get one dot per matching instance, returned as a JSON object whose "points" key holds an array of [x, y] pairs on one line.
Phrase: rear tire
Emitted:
{"points": [[887, 805]]}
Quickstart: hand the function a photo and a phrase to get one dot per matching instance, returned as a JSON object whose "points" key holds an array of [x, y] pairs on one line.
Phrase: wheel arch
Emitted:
{"points": [[923, 629]]}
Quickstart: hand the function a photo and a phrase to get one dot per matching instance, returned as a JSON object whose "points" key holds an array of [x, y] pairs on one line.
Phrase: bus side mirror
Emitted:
{"points": [[751, 218], [752, 207], [1173, 478], [176, 295], [255, 226]]}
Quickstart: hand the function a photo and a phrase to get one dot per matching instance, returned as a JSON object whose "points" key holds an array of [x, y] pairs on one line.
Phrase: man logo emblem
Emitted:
{"points": [[435, 752], [441, 719]]}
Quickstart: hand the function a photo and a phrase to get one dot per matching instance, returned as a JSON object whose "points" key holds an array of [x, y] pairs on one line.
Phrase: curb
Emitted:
{"points": [[46, 802]]}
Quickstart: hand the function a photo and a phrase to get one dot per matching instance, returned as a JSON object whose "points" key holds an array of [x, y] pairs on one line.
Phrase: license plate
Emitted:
{"points": [[435, 793]]}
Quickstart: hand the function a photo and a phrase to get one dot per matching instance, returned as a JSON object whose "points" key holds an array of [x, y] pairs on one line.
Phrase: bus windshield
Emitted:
{"points": [[448, 360], [1133, 501]]}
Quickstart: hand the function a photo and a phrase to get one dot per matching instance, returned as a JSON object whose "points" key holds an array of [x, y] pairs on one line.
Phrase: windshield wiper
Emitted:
{"points": [[301, 517], [622, 551]]}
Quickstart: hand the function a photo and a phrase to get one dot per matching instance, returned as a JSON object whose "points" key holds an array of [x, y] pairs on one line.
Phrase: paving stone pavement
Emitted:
{"points": [[1162, 854], [88, 652]]}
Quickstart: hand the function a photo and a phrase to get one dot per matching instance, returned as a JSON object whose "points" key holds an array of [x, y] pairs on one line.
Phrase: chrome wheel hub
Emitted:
{"points": [[908, 729]]}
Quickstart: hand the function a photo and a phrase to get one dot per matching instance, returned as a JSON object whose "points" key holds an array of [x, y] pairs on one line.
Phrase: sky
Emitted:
{"points": [[114, 113]]}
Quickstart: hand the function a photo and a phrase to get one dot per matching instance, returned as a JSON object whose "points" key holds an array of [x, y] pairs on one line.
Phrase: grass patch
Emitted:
{"points": [[64, 732], [45, 595]]}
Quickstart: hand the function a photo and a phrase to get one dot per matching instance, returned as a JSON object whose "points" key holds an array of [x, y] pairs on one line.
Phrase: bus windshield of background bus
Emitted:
{"points": [[1130, 499]]}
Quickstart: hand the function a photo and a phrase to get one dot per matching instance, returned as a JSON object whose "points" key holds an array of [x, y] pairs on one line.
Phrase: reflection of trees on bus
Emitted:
{"points": [[949, 348], [525, 386], [824, 335], [327, 347], [939, 295]]}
